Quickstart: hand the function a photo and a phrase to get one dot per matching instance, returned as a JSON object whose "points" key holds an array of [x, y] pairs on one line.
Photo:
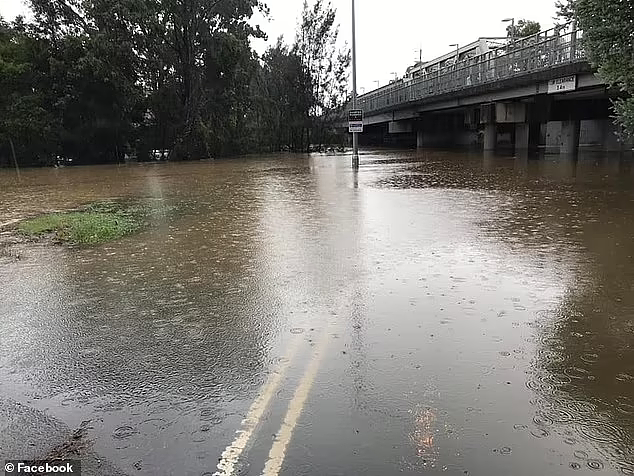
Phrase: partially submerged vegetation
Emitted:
{"points": [[96, 223]]}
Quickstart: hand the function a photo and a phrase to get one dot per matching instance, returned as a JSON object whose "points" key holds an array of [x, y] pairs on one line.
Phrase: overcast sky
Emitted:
{"points": [[389, 31]]}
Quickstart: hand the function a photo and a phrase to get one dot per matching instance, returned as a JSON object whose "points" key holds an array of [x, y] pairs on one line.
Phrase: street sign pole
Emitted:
{"points": [[355, 135]]}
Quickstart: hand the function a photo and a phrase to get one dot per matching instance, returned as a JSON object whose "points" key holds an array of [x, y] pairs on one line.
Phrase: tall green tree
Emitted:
{"points": [[608, 40], [281, 100], [90, 75], [176, 72], [96, 79], [28, 126], [325, 63], [297, 89], [202, 48], [523, 28]]}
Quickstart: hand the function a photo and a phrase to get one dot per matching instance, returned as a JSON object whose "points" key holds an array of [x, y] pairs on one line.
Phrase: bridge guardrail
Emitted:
{"points": [[546, 49]]}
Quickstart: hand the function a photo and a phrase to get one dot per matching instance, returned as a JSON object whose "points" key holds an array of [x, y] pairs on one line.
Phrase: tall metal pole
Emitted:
{"points": [[573, 41], [355, 136]]}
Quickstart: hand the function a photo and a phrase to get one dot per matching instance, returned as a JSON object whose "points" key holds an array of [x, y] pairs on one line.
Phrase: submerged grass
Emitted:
{"points": [[97, 223]]}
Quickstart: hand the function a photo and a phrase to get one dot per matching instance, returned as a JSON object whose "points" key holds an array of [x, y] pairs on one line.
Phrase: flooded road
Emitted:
{"points": [[432, 313]]}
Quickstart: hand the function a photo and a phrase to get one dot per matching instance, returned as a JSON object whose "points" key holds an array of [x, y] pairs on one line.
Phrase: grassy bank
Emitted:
{"points": [[97, 223]]}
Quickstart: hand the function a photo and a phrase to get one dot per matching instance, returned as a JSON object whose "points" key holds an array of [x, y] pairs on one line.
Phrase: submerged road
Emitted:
{"points": [[432, 313]]}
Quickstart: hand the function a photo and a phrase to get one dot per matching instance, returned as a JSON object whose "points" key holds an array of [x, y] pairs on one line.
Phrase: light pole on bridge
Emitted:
{"points": [[512, 20], [420, 54], [457, 51]]}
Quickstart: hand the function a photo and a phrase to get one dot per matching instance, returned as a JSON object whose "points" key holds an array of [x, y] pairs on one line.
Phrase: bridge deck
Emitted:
{"points": [[546, 55]]}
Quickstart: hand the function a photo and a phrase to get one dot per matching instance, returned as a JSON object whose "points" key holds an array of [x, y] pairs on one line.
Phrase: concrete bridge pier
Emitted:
{"points": [[527, 136], [400, 133], [488, 119], [522, 136], [570, 131], [449, 129], [490, 136], [511, 117]]}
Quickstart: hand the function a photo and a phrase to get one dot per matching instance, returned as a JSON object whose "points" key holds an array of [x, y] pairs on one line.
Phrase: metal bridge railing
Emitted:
{"points": [[544, 50]]}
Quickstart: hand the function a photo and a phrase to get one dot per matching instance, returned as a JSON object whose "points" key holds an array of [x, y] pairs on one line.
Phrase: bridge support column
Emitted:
{"points": [[420, 139], [570, 137], [527, 136], [490, 136], [522, 136]]}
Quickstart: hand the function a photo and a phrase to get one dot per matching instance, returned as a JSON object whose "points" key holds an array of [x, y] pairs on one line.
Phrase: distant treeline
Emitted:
{"points": [[99, 81]]}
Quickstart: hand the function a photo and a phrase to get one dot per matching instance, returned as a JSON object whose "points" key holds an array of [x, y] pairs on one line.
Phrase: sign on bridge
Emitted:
{"points": [[355, 120], [561, 85]]}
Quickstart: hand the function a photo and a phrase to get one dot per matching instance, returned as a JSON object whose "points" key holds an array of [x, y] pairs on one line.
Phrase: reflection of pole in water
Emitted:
{"points": [[488, 160], [359, 361], [358, 357]]}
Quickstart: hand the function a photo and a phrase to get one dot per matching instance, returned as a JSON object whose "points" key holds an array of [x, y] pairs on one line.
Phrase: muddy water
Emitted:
{"points": [[472, 315]]}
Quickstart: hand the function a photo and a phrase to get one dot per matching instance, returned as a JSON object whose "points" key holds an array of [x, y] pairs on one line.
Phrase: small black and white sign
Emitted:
{"points": [[355, 115], [562, 85], [355, 120]]}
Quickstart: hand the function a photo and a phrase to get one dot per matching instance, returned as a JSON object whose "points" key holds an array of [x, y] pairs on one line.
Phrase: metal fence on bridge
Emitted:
{"points": [[547, 49]]}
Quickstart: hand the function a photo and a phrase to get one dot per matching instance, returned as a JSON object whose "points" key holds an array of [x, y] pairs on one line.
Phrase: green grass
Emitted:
{"points": [[97, 223]]}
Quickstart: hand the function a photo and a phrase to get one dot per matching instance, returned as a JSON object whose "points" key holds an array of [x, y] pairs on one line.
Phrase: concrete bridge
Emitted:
{"points": [[538, 91]]}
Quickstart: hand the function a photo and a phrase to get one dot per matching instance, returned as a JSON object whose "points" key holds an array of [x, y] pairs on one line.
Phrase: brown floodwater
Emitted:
{"points": [[434, 312]]}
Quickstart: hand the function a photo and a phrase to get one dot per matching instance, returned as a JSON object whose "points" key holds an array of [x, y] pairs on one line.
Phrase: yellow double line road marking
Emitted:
{"points": [[231, 455], [295, 407]]}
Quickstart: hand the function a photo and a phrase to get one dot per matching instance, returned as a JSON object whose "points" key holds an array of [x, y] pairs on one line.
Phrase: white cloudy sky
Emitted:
{"points": [[389, 31]]}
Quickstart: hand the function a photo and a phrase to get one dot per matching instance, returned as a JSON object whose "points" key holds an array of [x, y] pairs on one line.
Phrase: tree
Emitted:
{"points": [[202, 48], [28, 126], [281, 100], [95, 79], [608, 29], [175, 71], [523, 28], [325, 64], [89, 76]]}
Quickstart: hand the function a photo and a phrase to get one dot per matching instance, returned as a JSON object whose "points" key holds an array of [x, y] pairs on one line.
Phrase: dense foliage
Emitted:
{"points": [[99, 80], [608, 39], [523, 28]]}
